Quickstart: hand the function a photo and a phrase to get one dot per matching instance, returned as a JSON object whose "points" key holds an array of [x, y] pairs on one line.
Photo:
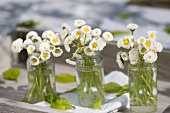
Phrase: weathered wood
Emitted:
{"points": [[11, 106]]}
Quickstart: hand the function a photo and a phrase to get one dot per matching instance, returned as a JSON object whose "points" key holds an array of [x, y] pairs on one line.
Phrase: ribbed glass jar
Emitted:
{"points": [[90, 79], [41, 80], [143, 87]]}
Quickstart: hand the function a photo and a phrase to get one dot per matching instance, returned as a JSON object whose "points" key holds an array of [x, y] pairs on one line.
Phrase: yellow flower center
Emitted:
{"points": [[50, 34], [153, 51], [78, 33], [78, 22], [148, 43], [152, 35], [45, 47], [136, 44], [94, 45], [51, 48], [86, 29], [126, 42], [89, 50], [34, 60], [57, 51], [54, 40], [143, 50], [141, 40], [108, 36], [149, 57], [45, 55], [69, 40], [31, 48]]}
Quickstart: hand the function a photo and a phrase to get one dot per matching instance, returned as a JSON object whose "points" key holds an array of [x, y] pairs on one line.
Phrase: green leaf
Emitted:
{"points": [[167, 29], [97, 104], [28, 24], [112, 87], [65, 78], [123, 89], [11, 74], [24, 100], [62, 104], [119, 33], [125, 15]]}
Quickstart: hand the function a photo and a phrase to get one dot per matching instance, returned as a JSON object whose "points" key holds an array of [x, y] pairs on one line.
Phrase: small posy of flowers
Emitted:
{"points": [[86, 40], [144, 49], [40, 49]]}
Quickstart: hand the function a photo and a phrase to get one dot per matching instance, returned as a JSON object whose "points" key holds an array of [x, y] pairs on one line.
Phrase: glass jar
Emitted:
{"points": [[143, 87], [90, 79], [41, 80]]}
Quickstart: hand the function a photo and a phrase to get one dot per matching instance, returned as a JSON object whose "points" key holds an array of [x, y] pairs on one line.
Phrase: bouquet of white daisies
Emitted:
{"points": [[143, 49], [39, 49], [87, 41]]}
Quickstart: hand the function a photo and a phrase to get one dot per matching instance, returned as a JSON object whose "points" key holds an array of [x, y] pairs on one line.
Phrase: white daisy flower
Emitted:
{"points": [[133, 54], [108, 36], [136, 44], [152, 34], [85, 39], [28, 42], [86, 29], [126, 42], [148, 43], [49, 34], [30, 49], [57, 52], [67, 47], [45, 55], [36, 39], [96, 32], [77, 33], [159, 47], [102, 43], [132, 26], [69, 39], [64, 33], [52, 48], [16, 46], [79, 23], [143, 50], [55, 40], [141, 40], [31, 34], [71, 62], [149, 57], [88, 51], [44, 46], [20, 41], [119, 61], [66, 26], [34, 60], [133, 62], [124, 56], [46, 40], [119, 43], [94, 45]]}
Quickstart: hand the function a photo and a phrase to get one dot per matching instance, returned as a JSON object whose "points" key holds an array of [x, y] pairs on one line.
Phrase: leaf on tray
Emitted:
{"points": [[97, 104], [62, 104], [112, 87], [24, 100], [65, 78], [11, 74], [167, 29]]}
